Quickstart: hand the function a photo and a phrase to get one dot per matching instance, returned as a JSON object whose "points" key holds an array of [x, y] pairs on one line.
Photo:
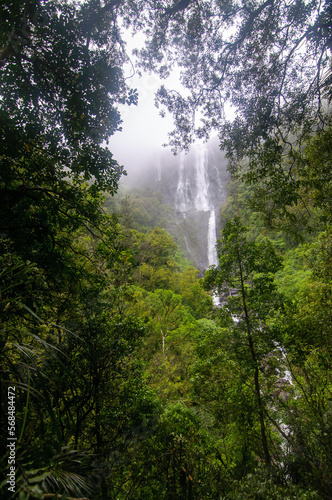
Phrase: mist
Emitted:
{"points": [[144, 132], [141, 142]]}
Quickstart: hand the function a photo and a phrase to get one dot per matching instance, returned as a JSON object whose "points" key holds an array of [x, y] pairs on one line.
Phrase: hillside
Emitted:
{"points": [[191, 187], [121, 375]]}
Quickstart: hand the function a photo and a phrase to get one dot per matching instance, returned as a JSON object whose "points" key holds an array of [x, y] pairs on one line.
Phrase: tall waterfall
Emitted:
{"points": [[193, 184], [203, 202], [202, 184], [182, 196], [212, 239], [193, 193]]}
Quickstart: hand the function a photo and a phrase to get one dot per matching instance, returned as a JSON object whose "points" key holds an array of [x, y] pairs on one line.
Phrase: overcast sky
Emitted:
{"points": [[144, 131]]}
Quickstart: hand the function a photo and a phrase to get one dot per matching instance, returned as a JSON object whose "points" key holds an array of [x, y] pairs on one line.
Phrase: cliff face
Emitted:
{"points": [[194, 184]]}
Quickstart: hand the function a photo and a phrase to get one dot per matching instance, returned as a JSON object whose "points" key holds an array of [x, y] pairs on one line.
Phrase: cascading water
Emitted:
{"points": [[202, 184], [182, 196], [192, 193], [193, 183], [212, 239], [159, 168], [202, 201], [284, 383], [212, 253]]}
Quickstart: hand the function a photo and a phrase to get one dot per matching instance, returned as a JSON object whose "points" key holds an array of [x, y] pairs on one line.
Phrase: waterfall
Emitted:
{"points": [[159, 169], [203, 202], [192, 192], [202, 184], [283, 385], [182, 195], [187, 246], [196, 190], [212, 239], [212, 253]]}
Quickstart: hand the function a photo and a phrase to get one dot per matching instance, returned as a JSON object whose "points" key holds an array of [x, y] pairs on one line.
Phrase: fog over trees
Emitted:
{"points": [[122, 376]]}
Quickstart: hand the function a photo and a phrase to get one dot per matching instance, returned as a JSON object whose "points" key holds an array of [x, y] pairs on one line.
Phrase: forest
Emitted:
{"points": [[121, 378]]}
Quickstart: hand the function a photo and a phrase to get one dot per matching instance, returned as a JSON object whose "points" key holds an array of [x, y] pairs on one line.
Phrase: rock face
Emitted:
{"points": [[194, 184]]}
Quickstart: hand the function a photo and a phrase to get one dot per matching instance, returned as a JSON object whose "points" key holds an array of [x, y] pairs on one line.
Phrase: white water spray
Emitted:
{"points": [[182, 198], [193, 193], [212, 239], [202, 184]]}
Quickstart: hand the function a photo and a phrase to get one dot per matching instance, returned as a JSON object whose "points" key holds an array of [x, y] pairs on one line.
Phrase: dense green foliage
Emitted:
{"points": [[128, 382]]}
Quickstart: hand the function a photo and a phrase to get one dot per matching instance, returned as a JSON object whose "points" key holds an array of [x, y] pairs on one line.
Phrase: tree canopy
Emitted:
{"points": [[62, 79], [269, 59], [118, 376], [257, 73]]}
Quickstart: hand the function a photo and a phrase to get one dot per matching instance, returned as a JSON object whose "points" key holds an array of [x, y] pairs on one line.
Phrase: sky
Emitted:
{"points": [[144, 131]]}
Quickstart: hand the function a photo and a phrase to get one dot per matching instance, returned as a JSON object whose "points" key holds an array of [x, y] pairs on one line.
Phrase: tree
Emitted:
{"points": [[193, 294], [165, 306], [305, 328], [71, 354], [249, 268], [61, 82], [249, 55], [63, 62], [269, 61]]}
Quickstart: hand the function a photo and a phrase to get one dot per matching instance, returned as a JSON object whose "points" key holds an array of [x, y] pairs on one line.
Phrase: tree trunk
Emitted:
{"points": [[267, 457]]}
